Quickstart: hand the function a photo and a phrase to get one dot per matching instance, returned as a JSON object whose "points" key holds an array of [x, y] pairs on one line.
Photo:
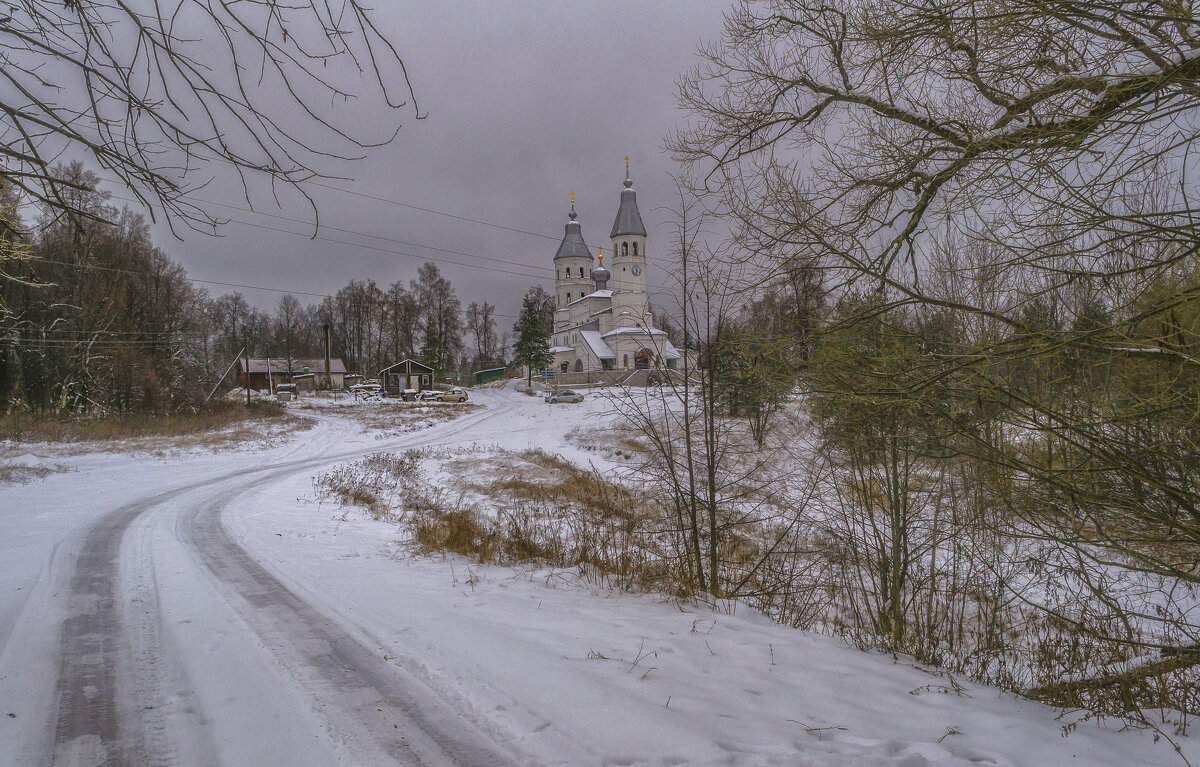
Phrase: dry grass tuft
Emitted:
{"points": [[18, 474]]}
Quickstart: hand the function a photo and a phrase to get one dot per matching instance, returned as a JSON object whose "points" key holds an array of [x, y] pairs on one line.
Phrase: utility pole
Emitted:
{"points": [[246, 349], [328, 374]]}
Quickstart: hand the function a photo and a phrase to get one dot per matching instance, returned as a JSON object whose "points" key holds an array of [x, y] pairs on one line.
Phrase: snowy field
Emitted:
{"points": [[204, 608]]}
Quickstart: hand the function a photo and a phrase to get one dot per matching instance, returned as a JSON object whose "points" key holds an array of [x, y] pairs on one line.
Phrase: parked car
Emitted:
{"points": [[566, 395], [453, 395], [429, 395]]}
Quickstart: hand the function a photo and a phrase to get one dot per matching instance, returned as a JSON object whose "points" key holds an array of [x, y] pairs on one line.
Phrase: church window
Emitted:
{"points": [[581, 271], [578, 366], [626, 360], [624, 248], [635, 248], [568, 298]]}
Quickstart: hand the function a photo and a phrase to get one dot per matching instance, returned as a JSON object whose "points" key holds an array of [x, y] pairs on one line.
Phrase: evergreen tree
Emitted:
{"points": [[533, 329]]}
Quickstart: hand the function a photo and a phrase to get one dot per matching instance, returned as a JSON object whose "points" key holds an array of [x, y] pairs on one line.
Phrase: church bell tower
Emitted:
{"points": [[628, 243], [572, 263]]}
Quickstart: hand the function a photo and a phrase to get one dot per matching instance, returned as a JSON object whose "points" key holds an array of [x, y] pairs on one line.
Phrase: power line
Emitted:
{"points": [[389, 251], [355, 233], [434, 212], [96, 267], [189, 279]]}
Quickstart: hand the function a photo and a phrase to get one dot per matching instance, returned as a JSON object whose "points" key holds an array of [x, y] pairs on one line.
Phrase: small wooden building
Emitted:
{"points": [[267, 370], [405, 374]]}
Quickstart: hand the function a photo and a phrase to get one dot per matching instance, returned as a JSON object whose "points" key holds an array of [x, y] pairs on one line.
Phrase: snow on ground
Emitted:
{"points": [[557, 669], [573, 673]]}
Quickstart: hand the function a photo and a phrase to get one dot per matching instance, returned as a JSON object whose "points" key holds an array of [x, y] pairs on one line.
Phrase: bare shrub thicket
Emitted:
{"points": [[528, 507], [1009, 186]]}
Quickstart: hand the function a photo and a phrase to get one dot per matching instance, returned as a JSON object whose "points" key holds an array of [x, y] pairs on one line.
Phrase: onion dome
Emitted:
{"points": [[600, 274]]}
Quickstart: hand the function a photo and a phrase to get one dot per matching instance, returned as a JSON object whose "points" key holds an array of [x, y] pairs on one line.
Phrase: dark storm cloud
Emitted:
{"points": [[525, 102]]}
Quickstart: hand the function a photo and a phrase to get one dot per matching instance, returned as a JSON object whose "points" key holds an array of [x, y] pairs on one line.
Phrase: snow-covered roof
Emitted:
{"points": [[596, 343], [670, 352], [560, 349], [593, 294], [635, 331]]}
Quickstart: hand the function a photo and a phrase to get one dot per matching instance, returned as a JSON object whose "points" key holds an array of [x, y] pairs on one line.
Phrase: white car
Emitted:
{"points": [[453, 395], [566, 395]]}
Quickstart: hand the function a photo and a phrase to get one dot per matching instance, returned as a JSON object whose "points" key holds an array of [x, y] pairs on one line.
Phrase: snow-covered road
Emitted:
{"points": [[128, 690], [202, 609]]}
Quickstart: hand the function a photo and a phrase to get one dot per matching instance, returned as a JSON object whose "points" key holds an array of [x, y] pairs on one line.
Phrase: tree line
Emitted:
{"points": [[94, 318]]}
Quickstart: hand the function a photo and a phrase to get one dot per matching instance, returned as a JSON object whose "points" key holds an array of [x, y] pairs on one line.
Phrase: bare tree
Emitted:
{"points": [[154, 92], [481, 323], [287, 317]]}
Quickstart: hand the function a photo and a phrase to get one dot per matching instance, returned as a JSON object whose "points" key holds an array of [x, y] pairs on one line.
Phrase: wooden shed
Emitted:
{"points": [[264, 371], [405, 374], [483, 376]]}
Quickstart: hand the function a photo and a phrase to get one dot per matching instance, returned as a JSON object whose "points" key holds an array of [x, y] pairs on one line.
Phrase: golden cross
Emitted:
{"points": [[572, 198], [601, 256], [626, 162]]}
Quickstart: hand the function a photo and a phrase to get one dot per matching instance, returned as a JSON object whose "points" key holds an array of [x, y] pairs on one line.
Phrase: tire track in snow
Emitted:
{"points": [[407, 722], [97, 722]]}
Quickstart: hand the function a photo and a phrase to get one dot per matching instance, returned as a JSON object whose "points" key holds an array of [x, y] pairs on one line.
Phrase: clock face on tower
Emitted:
{"points": [[637, 270]]}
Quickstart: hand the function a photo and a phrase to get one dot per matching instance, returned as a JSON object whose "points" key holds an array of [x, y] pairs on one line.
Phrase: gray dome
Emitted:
{"points": [[629, 220], [572, 245], [600, 276]]}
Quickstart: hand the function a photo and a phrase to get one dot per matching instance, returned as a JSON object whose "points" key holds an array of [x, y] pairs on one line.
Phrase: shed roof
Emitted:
{"points": [[409, 361], [279, 365]]}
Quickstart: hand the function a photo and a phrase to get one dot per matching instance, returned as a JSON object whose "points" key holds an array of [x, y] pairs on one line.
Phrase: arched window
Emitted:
{"points": [[568, 298], [626, 361], [578, 366], [635, 248], [624, 248]]}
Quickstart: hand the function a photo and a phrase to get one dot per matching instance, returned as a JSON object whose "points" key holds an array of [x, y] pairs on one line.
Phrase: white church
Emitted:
{"points": [[603, 330]]}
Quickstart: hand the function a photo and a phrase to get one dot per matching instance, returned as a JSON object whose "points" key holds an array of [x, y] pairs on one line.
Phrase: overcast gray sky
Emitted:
{"points": [[526, 101]]}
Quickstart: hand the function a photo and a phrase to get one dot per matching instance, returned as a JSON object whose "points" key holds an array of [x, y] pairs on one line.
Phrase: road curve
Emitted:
{"points": [[122, 694]]}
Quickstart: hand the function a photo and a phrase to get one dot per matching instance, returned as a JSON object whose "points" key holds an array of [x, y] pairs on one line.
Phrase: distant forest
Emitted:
{"points": [[94, 317]]}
